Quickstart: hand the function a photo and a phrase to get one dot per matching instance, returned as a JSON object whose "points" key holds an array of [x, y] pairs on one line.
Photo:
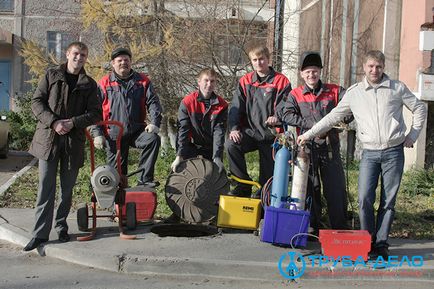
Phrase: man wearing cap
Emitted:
{"points": [[251, 114], [377, 105], [306, 105], [128, 96]]}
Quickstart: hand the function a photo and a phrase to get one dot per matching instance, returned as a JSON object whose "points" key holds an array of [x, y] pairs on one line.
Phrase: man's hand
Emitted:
{"points": [[302, 139], [219, 163], [272, 121], [150, 128], [408, 142], [235, 136], [176, 163], [62, 126], [99, 142]]}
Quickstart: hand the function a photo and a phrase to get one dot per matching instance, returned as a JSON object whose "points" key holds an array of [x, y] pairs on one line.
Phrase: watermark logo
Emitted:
{"points": [[292, 265]]}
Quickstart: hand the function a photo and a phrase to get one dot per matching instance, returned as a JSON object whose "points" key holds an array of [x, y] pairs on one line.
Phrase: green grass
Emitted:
{"points": [[414, 216]]}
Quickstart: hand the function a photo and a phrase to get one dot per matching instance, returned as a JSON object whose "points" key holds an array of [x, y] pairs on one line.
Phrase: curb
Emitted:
{"points": [[203, 268]]}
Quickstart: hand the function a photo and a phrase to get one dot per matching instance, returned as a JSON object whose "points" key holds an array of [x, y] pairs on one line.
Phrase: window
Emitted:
{"points": [[57, 42], [6, 5]]}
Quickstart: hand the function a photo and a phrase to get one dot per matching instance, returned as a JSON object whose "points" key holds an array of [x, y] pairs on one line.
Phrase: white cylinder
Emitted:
{"points": [[299, 179]]}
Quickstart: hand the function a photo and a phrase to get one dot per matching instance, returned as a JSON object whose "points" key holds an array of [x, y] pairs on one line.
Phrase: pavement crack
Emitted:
{"points": [[121, 262]]}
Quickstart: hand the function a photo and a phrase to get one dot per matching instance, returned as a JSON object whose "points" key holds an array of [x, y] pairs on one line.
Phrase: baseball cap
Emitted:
{"points": [[120, 51], [310, 58]]}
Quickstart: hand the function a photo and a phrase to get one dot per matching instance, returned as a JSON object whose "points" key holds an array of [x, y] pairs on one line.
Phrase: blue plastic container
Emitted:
{"points": [[281, 224]]}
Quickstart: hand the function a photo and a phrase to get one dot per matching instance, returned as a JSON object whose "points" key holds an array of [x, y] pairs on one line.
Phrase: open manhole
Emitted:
{"points": [[184, 230]]}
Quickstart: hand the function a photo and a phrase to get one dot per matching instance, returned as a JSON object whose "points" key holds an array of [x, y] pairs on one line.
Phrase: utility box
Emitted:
{"points": [[239, 213], [426, 40], [426, 87]]}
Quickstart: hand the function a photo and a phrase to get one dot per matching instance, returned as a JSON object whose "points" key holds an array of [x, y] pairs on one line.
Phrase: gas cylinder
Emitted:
{"points": [[282, 168], [299, 178]]}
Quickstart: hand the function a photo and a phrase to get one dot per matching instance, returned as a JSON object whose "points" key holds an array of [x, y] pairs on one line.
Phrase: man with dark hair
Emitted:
{"points": [[64, 103], [128, 96], [376, 104], [251, 114], [306, 105], [202, 119]]}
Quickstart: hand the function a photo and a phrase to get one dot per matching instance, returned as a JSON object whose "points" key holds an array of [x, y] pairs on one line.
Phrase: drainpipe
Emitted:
{"points": [[343, 44], [330, 41], [354, 43], [278, 33], [323, 31]]}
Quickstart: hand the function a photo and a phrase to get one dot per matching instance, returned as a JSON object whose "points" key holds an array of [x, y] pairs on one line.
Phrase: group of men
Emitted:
{"points": [[67, 101]]}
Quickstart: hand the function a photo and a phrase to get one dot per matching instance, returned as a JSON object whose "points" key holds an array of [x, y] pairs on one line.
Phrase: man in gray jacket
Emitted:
{"points": [[376, 103], [64, 104]]}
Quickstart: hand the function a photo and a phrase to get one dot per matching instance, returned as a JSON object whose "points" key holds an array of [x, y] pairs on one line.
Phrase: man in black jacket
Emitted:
{"points": [[202, 119], [251, 113], [64, 103], [304, 106]]}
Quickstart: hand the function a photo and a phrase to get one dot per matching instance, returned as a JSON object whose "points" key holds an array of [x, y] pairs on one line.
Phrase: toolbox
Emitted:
{"points": [[339, 243], [239, 213], [146, 203], [282, 224]]}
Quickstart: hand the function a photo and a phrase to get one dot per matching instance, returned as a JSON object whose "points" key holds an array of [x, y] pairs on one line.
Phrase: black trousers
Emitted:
{"points": [[150, 145], [237, 160], [326, 169]]}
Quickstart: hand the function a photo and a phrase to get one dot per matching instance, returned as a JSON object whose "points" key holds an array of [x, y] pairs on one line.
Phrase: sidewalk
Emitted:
{"points": [[230, 255]]}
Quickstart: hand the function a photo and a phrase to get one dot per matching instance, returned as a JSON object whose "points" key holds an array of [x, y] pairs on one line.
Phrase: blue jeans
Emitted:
{"points": [[389, 164]]}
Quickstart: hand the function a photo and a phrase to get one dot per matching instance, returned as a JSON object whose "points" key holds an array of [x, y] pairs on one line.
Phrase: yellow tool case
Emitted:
{"points": [[239, 213]]}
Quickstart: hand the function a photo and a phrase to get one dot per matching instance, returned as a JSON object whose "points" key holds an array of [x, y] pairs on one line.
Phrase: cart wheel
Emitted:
{"points": [[83, 218], [131, 216]]}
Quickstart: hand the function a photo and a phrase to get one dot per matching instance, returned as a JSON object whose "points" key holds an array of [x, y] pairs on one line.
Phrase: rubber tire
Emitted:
{"points": [[83, 218], [131, 216]]}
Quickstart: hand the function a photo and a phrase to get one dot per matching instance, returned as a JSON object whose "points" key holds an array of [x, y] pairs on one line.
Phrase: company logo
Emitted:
{"points": [[248, 209], [292, 265]]}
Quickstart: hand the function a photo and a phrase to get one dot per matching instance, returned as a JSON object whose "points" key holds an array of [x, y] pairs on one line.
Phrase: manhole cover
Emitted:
{"points": [[193, 192], [184, 230]]}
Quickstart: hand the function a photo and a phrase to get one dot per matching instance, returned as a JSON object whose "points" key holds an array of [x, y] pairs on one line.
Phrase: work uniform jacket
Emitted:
{"points": [[255, 101], [128, 102], [52, 102], [305, 107], [202, 127]]}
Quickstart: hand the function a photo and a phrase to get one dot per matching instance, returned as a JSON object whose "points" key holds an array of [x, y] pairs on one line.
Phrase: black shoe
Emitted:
{"points": [[172, 219], [383, 252], [34, 243], [64, 237], [373, 254]]}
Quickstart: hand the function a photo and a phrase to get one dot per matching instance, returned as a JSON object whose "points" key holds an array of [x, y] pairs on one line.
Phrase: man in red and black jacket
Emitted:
{"points": [[128, 96], [251, 114], [202, 119], [306, 105]]}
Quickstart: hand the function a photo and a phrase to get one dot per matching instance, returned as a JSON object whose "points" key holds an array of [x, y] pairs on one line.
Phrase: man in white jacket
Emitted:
{"points": [[376, 103]]}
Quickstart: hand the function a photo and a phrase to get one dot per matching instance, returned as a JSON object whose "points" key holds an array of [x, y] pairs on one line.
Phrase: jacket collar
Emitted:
{"points": [[316, 91], [60, 72], [385, 82], [269, 78], [213, 100]]}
